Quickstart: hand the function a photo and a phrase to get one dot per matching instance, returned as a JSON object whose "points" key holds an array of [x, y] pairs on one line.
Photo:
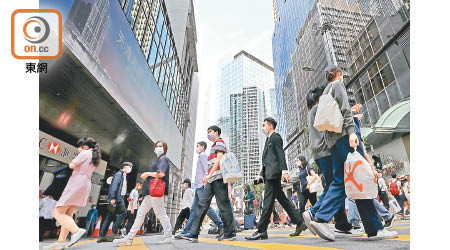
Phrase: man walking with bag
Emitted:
{"points": [[214, 186], [273, 170]]}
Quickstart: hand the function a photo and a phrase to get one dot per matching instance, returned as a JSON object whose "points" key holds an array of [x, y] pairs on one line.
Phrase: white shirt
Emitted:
{"points": [[46, 207], [124, 186], [188, 197], [382, 184], [134, 195]]}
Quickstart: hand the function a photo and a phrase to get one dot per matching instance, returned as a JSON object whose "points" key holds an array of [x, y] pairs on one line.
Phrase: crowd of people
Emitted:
{"points": [[329, 151]]}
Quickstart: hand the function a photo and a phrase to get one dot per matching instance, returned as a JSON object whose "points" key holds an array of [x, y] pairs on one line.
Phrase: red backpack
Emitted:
{"points": [[394, 188]]}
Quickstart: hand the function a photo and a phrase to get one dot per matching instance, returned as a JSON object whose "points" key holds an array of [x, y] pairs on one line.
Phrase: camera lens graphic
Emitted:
{"points": [[39, 33]]}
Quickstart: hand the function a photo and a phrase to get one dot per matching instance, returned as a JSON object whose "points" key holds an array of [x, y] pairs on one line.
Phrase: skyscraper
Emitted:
{"points": [[243, 101], [327, 32]]}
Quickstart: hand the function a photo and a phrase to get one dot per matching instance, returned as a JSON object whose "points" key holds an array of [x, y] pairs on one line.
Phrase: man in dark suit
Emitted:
{"points": [[274, 169]]}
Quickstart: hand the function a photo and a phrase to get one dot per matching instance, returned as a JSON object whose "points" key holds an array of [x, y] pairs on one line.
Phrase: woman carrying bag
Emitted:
{"points": [[334, 114], [155, 190], [305, 185]]}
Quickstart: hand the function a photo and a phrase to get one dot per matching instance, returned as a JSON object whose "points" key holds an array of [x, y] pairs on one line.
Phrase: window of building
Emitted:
{"points": [[372, 70], [372, 30], [368, 93], [377, 84], [393, 93], [382, 101], [373, 111], [387, 75], [376, 44]]}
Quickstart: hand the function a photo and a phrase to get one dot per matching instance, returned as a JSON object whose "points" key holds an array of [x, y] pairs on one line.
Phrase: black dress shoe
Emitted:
{"points": [[258, 236], [299, 229]]}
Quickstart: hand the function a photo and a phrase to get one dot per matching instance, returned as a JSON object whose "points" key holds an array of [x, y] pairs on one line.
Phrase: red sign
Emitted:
{"points": [[53, 148]]}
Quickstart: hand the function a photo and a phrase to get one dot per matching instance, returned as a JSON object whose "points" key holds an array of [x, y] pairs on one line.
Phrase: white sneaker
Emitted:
{"points": [[167, 240], [307, 218], [123, 242], [76, 237], [384, 234], [347, 234], [55, 246], [322, 230]]}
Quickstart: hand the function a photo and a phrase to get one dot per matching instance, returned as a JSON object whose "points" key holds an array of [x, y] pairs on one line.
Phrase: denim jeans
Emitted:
{"points": [[211, 213], [109, 217], [335, 197], [326, 167]]}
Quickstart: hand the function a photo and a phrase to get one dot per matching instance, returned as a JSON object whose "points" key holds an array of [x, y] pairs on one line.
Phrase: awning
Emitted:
{"points": [[395, 119], [365, 132]]}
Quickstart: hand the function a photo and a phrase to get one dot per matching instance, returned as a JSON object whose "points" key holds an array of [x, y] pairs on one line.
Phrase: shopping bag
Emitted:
{"points": [[230, 169], [328, 115], [360, 182], [157, 187], [394, 204], [316, 185]]}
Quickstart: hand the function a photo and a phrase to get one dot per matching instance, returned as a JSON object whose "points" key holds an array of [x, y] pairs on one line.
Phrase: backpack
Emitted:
{"points": [[394, 188]]}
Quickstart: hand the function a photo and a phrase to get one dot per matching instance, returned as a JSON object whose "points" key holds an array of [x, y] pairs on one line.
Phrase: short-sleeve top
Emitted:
{"points": [[218, 146], [84, 163], [161, 165]]}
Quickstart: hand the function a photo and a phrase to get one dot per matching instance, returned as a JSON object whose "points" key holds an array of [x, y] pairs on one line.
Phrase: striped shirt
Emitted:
{"points": [[218, 146]]}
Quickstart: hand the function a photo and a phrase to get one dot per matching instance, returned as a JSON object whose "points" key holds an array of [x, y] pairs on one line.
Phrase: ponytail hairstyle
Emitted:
{"points": [[331, 72], [92, 144]]}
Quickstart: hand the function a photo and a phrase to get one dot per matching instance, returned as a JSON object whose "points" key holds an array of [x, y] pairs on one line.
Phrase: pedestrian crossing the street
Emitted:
{"points": [[278, 239]]}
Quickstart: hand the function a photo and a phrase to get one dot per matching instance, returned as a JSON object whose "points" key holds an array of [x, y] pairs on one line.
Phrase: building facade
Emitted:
{"points": [[126, 77], [327, 32], [379, 62], [243, 101]]}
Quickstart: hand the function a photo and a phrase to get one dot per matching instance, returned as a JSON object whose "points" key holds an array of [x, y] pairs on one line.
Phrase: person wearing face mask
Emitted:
{"points": [[201, 172], [117, 191], [159, 169], [186, 203], [214, 186], [132, 206], [274, 169]]}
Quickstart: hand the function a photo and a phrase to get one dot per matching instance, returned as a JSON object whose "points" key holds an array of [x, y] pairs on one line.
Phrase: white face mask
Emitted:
{"points": [[298, 163], [198, 150], [128, 170]]}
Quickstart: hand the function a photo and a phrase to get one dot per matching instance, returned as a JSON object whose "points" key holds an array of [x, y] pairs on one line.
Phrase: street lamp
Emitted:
{"points": [[308, 69]]}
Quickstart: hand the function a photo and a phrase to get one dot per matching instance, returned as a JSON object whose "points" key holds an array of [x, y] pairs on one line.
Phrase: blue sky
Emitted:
{"points": [[223, 29]]}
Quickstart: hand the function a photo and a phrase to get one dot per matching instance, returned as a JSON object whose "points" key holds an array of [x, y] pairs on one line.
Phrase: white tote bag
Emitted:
{"points": [[394, 206], [316, 186], [328, 115], [360, 183], [230, 169]]}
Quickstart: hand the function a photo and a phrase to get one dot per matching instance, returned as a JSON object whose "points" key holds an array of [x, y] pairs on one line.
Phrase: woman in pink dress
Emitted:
{"points": [[76, 192]]}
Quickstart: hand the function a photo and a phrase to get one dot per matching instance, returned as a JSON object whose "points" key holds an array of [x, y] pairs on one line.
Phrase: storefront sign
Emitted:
{"points": [[61, 151]]}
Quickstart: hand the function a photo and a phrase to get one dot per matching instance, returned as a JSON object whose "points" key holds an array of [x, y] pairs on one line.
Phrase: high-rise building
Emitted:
{"points": [[128, 78], [290, 16], [379, 62], [243, 101], [322, 41]]}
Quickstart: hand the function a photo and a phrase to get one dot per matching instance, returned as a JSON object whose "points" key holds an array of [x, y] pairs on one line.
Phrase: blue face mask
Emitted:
{"points": [[159, 150]]}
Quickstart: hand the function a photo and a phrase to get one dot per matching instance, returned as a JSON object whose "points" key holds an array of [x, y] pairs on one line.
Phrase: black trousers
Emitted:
{"points": [[220, 190], [384, 198], [306, 195], [184, 215], [131, 218], [272, 191]]}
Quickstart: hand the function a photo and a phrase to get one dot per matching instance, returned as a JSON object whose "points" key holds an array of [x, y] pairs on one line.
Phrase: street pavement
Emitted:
{"points": [[279, 239]]}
